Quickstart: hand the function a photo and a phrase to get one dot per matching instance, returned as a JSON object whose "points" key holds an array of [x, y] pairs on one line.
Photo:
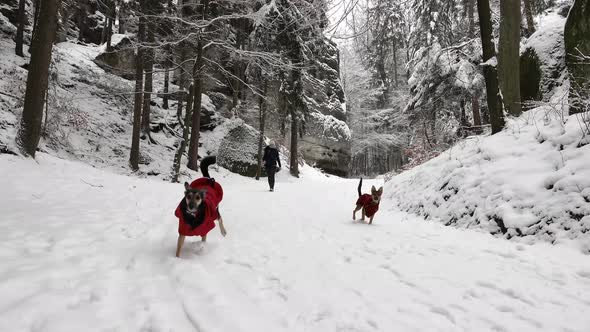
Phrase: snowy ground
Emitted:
{"points": [[87, 250]]}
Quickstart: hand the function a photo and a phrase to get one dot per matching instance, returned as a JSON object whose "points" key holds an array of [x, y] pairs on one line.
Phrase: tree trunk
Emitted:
{"points": [[509, 55], [20, 31], [262, 118], [528, 13], [294, 131], [193, 152], [470, 17], [181, 82], [134, 157], [122, 12], [395, 65], [148, 59], [185, 131], [489, 71], [29, 131], [37, 6], [112, 14], [166, 87], [476, 114]]}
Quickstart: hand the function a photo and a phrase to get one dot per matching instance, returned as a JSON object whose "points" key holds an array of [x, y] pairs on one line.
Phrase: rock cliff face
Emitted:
{"points": [[326, 138]]}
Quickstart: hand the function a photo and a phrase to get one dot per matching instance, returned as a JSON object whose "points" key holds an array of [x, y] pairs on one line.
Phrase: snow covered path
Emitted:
{"points": [[85, 250]]}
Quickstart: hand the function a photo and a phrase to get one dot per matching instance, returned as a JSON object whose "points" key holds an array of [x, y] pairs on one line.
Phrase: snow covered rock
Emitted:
{"points": [[238, 151], [326, 138], [543, 58], [120, 61]]}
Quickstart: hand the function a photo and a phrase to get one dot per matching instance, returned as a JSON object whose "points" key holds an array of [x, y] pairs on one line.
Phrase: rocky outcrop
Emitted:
{"points": [[577, 46], [121, 60], [542, 60], [326, 137], [238, 151]]}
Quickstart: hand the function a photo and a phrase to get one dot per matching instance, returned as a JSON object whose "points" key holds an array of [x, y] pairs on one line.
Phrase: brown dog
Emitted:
{"points": [[369, 204]]}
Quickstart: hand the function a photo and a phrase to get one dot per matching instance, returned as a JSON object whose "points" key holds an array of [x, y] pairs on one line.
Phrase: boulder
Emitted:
{"points": [[121, 60], [238, 151], [326, 143]]}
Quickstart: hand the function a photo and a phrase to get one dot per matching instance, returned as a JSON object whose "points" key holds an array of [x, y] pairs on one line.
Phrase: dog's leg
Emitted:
{"points": [[221, 227], [363, 215], [179, 245], [371, 219], [358, 207]]}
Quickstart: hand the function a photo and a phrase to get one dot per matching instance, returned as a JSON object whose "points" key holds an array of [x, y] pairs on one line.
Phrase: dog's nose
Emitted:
{"points": [[191, 206]]}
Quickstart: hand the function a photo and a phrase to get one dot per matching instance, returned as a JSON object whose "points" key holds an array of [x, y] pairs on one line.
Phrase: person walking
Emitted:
{"points": [[271, 159]]}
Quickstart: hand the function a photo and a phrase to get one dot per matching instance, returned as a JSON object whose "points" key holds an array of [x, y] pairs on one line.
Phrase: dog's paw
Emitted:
{"points": [[223, 232]]}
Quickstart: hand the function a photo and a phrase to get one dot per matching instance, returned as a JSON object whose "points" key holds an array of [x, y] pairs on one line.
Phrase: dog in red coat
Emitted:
{"points": [[199, 208], [369, 204]]}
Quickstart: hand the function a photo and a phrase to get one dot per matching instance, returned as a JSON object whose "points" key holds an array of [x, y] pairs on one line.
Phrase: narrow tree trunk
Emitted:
{"points": [[20, 31], [122, 13], [37, 6], [294, 136], [476, 114], [474, 99], [181, 82], [489, 71], [528, 13], [193, 152], [134, 157], [29, 131], [509, 55], [147, 95], [185, 132], [166, 87], [112, 14], [395, 65], [262, 118], [105, 27]]}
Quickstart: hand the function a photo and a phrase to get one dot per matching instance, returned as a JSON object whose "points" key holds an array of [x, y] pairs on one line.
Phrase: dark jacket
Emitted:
{"points": [[271, 157]]}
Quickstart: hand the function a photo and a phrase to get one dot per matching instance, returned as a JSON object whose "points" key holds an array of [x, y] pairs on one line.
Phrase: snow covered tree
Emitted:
{"points": [[29, 131]]}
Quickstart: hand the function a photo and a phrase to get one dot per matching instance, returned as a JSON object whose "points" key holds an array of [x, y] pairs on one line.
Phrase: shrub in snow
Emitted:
{"points": [[238, 151]]}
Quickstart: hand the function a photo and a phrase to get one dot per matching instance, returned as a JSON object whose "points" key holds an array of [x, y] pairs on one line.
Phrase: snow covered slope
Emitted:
{"points": [[86, 250], [530, 182]]}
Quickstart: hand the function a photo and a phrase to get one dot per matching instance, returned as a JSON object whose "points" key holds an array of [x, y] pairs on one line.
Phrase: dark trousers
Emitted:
{"points": [[270, 171]]}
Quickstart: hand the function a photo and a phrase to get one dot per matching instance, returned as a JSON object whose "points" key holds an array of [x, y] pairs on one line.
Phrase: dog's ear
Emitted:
{"points": [[186, 186], [380, 191], [373, 190]]}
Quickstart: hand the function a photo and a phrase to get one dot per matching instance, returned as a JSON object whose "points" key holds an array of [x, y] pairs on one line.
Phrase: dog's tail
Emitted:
{"points": [[205, 163], [359, 188]]}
